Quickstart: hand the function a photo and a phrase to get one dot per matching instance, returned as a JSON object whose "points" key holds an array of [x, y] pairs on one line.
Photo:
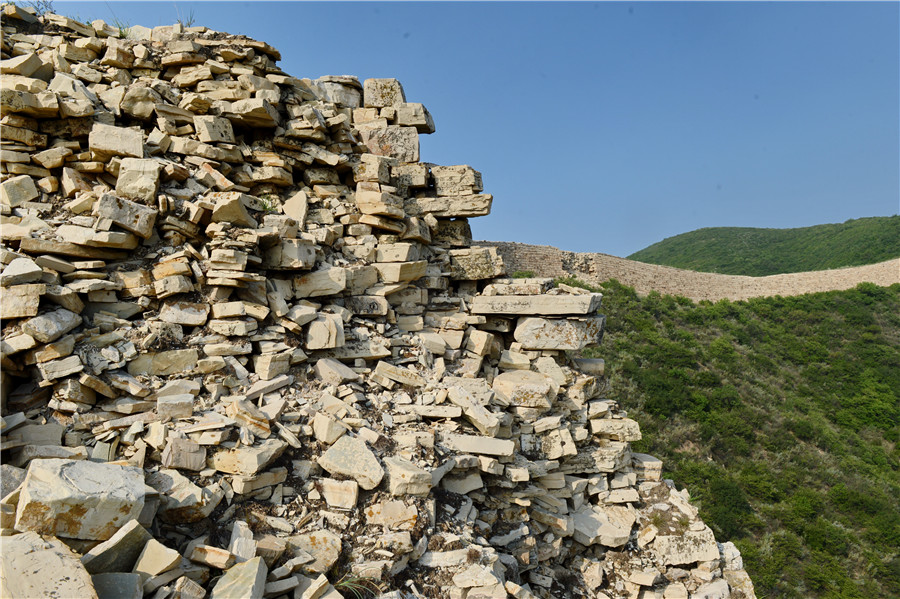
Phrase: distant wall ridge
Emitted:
{"points": [[548, 261]]}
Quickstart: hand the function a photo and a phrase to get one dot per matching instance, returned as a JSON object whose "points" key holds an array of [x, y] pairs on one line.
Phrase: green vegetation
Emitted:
{"points": [[760, 252], [523, 274], [781, 415]]}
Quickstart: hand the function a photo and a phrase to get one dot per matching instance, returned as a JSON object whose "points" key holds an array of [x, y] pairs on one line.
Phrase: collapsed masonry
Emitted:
{"points": [[247, 351]]}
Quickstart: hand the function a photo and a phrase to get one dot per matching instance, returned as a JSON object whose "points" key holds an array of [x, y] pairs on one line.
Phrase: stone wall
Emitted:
{"points": [[547, 261]]}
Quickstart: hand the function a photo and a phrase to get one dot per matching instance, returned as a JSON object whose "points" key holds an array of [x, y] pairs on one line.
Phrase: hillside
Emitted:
{"points": [[760, 252], [781, 416]]}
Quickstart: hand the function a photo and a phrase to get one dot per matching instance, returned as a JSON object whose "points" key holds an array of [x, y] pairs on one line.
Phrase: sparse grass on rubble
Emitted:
{"points": [[781, 415]]}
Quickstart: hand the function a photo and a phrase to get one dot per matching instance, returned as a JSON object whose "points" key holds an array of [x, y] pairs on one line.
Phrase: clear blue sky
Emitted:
{"points": [[609, 126]]}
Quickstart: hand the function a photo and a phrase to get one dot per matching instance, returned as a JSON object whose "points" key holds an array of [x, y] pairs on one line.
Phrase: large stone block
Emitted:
{"points": [[378, 93], [35, 567], [106, 141], [393, 141], [138, 179], [129, 215], [546, 333], [79, 499]]}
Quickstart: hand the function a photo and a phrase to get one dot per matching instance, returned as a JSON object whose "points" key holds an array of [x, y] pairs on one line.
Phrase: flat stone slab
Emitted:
{"points": [[246, 580], [51, 326], [480, 445], [350, 457], [544, 305], [79, 499], [36, 567]]}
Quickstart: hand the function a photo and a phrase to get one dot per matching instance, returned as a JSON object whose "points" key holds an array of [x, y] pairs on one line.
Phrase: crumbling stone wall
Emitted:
{"points": [[248, 351], [548, 261]]}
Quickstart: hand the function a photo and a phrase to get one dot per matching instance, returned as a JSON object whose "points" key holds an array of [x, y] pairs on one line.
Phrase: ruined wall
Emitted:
{"points": [[547, 261], [247, 350]]}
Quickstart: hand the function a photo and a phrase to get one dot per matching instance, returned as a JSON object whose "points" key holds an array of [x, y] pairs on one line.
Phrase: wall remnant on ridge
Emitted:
{"points": [[548, 261]]}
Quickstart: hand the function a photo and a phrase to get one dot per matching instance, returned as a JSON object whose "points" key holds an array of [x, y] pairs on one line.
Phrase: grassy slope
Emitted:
{"points": [[782, 417], [759, 252]]}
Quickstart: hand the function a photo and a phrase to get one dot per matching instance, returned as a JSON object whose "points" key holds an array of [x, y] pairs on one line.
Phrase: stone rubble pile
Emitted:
{"points": [[248, 350]]}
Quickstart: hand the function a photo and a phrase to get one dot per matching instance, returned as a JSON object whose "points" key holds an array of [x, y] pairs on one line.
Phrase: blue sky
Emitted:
{"points": [[608, 126]]}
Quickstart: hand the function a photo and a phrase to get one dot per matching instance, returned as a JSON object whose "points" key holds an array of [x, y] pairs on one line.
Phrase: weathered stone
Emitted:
{"points": [[21, 271], [36, 567], [476, 263], [248, 460], [164, 363], [138, 179], [608, 525], [479, 445], [249, 416], [21, 301], [323, 545], [183, 454], [349, 456], [15, 191], [78, 499], [118, 553], [394, 272], [571, 334], [129, 215], [692, 546], [341, 494], [401, 143], [51, 326], [186, 313], [181, 501], [526, 388], [404, 376], [291, 254], [211, 129], [230, 209], [327, 281], [106, 141], [378, 93], [326, 331], [405, 478], [620, 429], [334, 372], [550, 305], [414, 114], [246, 580], [155, 558]]}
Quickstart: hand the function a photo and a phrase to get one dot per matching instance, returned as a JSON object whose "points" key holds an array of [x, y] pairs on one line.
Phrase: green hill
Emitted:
{"points": [[760, 252], [781, 415]]}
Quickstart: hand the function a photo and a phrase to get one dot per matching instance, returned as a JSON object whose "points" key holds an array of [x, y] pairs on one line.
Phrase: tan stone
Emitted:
{"points": [[37, 567], [79, 499]]}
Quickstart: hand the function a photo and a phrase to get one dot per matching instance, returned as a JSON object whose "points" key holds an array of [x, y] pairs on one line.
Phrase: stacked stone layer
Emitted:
{"points": [[248, 350]]}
